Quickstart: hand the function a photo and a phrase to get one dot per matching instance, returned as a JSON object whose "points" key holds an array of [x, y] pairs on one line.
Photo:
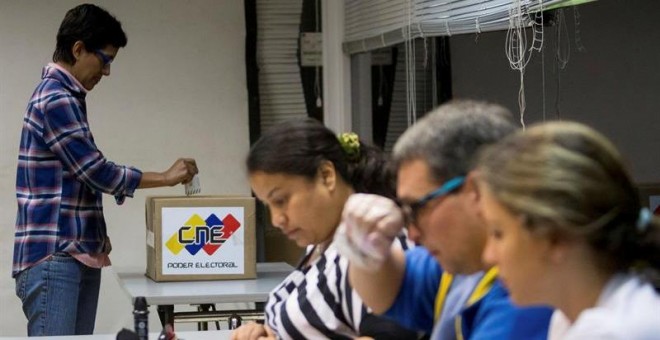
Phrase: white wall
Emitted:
{"points": [[177, 89], [612, 85]]}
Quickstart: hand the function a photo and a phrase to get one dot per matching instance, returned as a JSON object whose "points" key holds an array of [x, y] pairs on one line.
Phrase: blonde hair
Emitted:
{"points": [[569, 182]]}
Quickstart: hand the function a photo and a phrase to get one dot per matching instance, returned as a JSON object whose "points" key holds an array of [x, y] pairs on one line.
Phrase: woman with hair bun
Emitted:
{"points": [[567, 228], [304, 173]]}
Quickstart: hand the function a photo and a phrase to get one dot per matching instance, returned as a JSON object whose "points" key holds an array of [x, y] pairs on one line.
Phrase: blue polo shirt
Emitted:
{"points": [[492, 316]]}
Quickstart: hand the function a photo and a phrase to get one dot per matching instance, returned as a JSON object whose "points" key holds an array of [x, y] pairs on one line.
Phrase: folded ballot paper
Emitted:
{"points": [[193, 187]]}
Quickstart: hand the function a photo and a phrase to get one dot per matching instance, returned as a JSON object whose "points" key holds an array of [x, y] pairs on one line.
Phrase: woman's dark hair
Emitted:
{"points": [[298, 147], [92, 25]]}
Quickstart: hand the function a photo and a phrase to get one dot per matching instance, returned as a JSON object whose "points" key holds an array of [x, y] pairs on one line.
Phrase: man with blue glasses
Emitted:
{"points": [[61, 239], [442, 287]]}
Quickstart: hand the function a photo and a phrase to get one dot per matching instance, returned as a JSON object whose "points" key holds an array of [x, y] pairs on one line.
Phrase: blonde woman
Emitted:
{"points": [[567, 228]]}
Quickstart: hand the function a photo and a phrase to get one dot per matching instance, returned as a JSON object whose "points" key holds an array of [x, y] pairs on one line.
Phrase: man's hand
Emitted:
{"points": [[182, 171], [369, 225]]}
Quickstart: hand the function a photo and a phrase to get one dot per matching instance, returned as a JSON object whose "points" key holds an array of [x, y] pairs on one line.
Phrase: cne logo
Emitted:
{"points": [[202, 234]]}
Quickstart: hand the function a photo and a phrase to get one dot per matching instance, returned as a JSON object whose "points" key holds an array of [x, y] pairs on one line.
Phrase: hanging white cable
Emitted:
{"points": [[563, 50], [317, 72], [413, 81], [537, 45], [562, 56], [543, 82], [413, 76], [538, 29], [381, 84], [478, 29], [522, 103], [410, 70], [426, 52], [516, 45], [407, 48], [413, 73], [426, 105], [434, 72], [578, 33]]}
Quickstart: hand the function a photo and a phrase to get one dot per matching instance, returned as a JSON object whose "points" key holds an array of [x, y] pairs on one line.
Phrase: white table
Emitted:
{"points": [[167, 294], [210, 335]]}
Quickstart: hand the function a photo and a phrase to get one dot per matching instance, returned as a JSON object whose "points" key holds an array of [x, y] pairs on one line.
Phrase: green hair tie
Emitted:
{"points": [[350, 143]]}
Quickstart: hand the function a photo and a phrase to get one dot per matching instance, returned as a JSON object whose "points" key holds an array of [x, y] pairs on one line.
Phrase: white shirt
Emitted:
{"points": [[628, 308]]}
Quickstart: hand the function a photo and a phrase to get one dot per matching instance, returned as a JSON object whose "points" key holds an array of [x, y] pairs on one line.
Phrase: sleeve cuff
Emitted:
{"points": [[132, 178]]}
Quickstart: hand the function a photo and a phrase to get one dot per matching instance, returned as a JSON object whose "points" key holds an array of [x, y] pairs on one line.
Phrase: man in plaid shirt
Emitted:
{"points": [[61, 241]]}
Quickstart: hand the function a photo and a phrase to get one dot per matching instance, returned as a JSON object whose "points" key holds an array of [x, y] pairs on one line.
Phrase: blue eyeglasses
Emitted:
{"points": [[411, 210], [105, 59]]}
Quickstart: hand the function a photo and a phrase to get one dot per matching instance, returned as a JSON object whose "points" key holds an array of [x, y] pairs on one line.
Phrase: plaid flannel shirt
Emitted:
{"points": [[61, 176]]}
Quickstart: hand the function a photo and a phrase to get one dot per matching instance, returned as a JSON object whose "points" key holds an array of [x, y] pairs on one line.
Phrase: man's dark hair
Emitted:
{"points": [[92, 25]]}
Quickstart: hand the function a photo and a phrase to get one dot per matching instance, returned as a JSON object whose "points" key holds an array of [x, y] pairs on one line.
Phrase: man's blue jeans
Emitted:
{"points": [[59, 296]]}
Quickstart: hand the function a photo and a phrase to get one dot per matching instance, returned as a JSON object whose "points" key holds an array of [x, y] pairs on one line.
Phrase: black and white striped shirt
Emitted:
{"points": [[316, 301]]}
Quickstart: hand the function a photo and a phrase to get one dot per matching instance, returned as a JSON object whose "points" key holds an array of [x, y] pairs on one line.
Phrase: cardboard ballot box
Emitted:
{"points": [[200, 238]]}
